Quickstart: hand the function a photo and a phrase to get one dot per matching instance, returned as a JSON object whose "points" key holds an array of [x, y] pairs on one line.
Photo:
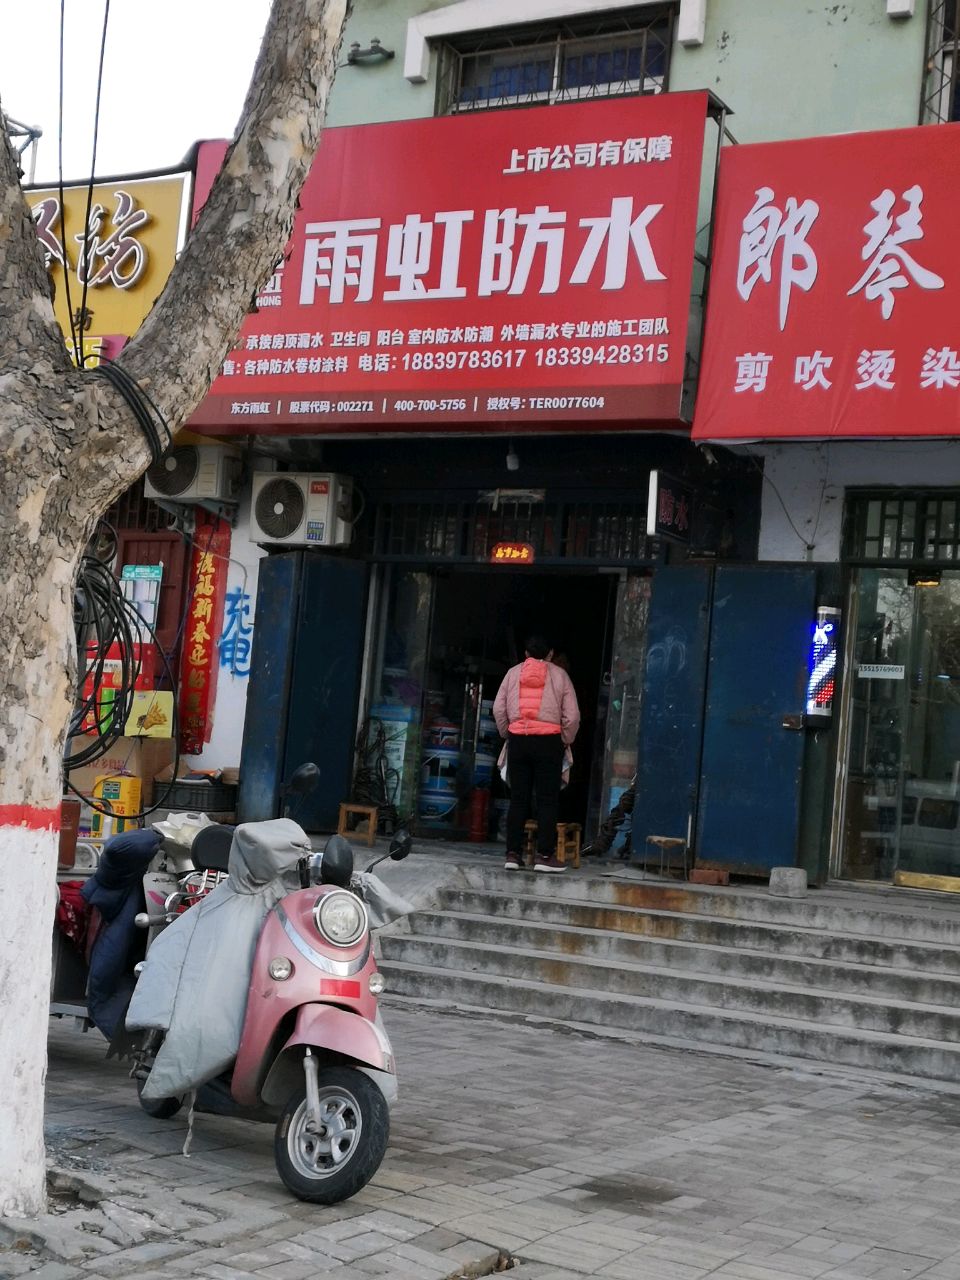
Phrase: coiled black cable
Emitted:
{"points": [[147, 415]]}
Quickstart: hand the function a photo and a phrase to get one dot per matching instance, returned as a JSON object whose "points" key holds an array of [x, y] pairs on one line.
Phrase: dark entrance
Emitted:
{"points": [[481, 621], [440, 643]]}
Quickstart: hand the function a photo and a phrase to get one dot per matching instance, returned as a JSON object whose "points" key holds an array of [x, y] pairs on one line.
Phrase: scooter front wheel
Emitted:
{"points": [[328, 1163], [158, 1108]]}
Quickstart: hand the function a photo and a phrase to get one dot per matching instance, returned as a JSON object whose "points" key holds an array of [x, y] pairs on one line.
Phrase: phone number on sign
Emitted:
{"points": [[429, 406], [606, 353]]}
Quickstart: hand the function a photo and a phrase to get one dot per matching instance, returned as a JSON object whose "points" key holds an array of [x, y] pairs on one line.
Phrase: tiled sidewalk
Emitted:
{"points": [[578, 1156]]}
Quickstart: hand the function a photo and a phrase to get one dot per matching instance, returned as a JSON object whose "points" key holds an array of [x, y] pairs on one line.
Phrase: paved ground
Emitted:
{"points": [[577, 1156]]}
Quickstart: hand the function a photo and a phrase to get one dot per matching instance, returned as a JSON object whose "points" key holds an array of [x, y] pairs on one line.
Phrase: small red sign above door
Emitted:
{"points": [[512, 553]]}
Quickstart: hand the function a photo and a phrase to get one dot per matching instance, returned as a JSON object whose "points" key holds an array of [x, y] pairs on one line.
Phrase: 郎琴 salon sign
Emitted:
{"points": [[530, 265], [835, 289]]}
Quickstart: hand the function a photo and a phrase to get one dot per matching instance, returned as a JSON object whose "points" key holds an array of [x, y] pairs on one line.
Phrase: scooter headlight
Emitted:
{"points": [[340, 917]]}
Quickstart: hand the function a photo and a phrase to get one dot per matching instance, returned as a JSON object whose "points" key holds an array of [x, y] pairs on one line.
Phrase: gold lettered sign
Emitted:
{"points": [[123, 252]]}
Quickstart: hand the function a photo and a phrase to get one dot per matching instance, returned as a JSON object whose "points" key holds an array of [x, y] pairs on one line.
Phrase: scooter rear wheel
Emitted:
{"points": [[332, 1164]]}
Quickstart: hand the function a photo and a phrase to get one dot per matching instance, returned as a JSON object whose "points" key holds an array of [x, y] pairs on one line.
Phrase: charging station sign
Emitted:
{"points": [[531, 265]]}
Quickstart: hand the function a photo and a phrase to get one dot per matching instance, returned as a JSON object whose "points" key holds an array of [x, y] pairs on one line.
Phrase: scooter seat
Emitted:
{"points": [[210, 850]]}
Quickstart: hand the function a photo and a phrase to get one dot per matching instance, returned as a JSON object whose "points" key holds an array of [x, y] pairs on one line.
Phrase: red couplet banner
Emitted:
{"points": [[198, 659], [835, 289], [531, 265]]}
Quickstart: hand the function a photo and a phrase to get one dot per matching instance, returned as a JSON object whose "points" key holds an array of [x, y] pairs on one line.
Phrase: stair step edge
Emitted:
{"points": [[681, 943], [726, 1015], [601, 966]]}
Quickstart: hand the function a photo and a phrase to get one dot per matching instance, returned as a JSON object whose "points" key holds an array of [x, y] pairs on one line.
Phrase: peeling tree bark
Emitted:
{"points": [[68, 448]]}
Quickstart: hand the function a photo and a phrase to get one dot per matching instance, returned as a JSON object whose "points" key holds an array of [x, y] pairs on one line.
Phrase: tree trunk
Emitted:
{"points": [[68, 446]]}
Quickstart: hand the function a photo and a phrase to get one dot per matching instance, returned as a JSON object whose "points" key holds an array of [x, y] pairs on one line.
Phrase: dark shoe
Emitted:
{"points": [[512, 863], [550, 864]]}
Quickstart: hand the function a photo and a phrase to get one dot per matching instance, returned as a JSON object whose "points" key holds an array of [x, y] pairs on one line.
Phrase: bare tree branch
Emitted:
{"points": [[27, 323], [248, 217]]}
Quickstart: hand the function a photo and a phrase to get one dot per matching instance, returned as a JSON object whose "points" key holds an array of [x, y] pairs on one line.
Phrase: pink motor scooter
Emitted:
{"points": [[313, 1051]]}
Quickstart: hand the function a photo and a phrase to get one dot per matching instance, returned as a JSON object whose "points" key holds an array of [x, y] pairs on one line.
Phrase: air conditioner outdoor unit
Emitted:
{"points": [[196, 473], [301, 509]]}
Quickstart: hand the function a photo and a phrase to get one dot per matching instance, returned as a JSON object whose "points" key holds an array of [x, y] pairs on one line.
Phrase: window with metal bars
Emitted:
{"points": [[612, 55], [940, 94], [560, 532], [134, 511], [904, 527]]}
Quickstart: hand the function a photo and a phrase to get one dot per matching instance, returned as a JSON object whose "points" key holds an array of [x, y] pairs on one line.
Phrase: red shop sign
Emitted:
{"points": [[835, 289], [198, 661], [530, 265]]}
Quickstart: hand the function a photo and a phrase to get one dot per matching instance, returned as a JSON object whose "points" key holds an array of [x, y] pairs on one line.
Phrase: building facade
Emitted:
{"points": [[523, 165]]}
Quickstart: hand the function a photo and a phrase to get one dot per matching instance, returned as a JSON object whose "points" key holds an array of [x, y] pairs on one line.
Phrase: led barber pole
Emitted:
{"points": [[823, 665]]}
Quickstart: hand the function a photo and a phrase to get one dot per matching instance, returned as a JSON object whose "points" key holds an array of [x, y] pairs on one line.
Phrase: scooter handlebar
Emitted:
{"points": [[143, 920]]}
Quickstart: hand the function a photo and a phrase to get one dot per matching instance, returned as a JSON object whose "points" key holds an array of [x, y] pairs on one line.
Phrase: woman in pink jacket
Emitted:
{"points": [[536, 711]]}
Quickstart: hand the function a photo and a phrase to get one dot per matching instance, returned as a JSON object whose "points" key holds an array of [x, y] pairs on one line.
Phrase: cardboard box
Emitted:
{"points": [[110, 679], [141, 758]]}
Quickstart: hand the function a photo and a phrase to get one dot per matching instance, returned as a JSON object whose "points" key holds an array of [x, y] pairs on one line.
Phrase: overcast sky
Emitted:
{"points": [[173, 72]]}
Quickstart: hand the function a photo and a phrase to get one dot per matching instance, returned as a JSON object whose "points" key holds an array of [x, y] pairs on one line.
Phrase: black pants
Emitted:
{"points": [[534, 760]]}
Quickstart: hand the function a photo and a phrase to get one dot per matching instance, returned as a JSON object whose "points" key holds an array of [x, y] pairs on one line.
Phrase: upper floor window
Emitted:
{"points": [[604, 56], [941, 83]]}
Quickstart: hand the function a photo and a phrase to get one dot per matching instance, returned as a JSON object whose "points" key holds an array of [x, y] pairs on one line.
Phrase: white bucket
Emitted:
{"points": [[438, 772], [437, 809]]}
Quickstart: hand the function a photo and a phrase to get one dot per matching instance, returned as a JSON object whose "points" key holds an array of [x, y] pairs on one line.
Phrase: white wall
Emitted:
{"points": [[803, 488], [223, 749]]}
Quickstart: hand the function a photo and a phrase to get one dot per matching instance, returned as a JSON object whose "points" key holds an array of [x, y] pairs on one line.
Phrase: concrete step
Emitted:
{"points": [[821, 1007], [777, 939], [695, 957], [917, 917], [703, 1027]]}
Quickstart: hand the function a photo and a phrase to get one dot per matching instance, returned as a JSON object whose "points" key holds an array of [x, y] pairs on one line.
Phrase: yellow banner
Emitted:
{"points": [[124, 253]]}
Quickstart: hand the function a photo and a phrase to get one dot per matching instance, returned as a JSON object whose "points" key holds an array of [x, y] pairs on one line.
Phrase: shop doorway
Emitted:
{"points": [[481, 622], [444, 640], [901, 812]]}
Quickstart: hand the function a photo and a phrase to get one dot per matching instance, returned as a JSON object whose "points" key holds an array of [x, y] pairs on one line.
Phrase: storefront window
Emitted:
{"points": [[624, 688], [389, 754], [902, 811]]}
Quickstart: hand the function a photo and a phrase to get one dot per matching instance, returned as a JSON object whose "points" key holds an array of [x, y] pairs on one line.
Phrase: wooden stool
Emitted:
{"points": [[666, 846], [367, 813], [568, 842]]}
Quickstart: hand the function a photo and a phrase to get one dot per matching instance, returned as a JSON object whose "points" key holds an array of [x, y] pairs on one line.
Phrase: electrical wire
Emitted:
{"points": [[93, 170], [63, 210], [145, 412], [767, 480], [104, 617]]}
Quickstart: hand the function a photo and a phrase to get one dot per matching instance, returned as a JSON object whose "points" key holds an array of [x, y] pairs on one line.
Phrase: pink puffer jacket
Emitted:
{"points": [[537, 698]]}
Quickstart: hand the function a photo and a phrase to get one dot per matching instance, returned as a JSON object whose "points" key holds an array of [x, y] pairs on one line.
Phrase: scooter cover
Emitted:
{"points": [[383, 904], [116, 890], [195, 981]]}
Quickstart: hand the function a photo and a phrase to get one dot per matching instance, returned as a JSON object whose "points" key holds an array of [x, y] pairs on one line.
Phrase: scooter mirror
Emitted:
{"points": [[336, 862], [401, 844]]}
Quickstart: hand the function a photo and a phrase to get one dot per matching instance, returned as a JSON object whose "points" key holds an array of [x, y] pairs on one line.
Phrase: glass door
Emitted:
{"points": [[902, 804], [389, 746]]}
